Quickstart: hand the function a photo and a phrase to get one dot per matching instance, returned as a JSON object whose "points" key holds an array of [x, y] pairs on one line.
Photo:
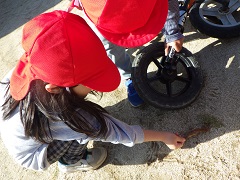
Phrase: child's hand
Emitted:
{"points": [[177, 45], [172, 140]]}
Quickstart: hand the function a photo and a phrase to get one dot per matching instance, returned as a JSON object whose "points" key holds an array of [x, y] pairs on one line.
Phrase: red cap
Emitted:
{"points": [[61, 49], [127, 23]]}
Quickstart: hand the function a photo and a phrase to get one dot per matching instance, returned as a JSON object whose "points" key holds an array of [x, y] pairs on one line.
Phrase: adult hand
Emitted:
{"points": [[177, 45]]}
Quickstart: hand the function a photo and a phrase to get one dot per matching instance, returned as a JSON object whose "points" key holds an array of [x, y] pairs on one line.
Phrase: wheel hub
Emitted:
{"points": [[167, 74], [223, 10]]}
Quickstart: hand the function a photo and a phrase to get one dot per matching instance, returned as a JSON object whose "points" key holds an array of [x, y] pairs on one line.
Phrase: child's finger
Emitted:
{"points": [[179, 138]]}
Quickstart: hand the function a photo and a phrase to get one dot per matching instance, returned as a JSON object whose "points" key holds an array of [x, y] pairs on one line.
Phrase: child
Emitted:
{"points": [[44, 117], [123, 24]]}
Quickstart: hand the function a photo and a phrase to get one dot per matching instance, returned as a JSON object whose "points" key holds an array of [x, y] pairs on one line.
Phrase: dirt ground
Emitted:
{"points": [[211, 155]]}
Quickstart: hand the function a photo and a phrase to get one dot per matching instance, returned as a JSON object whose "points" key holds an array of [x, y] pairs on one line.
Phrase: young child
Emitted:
{"points": [[44, 117], [124, 24]]}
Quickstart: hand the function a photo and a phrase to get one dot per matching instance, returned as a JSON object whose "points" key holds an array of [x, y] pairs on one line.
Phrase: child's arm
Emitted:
{"points": [[120, 132], [171, 140]]}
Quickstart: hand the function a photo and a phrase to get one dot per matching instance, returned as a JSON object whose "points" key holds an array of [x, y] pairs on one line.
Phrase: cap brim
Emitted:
{"points": [[106, 80], [144, 34], [20, 79]]}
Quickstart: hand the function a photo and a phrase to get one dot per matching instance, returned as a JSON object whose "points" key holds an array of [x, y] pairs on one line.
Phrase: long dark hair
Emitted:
{"points": [[39, 107]]}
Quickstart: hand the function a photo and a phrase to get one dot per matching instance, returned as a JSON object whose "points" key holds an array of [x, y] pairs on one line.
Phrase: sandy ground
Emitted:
{"points": [[212, 155]]}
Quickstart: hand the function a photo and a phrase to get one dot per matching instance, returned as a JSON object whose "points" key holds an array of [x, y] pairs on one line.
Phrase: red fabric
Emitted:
{"points": [[61, 49], [127, 23]]}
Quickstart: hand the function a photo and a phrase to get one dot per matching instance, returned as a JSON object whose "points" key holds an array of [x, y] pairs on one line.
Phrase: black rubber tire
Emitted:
{"points": [[150, 94], [211, 25]]}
